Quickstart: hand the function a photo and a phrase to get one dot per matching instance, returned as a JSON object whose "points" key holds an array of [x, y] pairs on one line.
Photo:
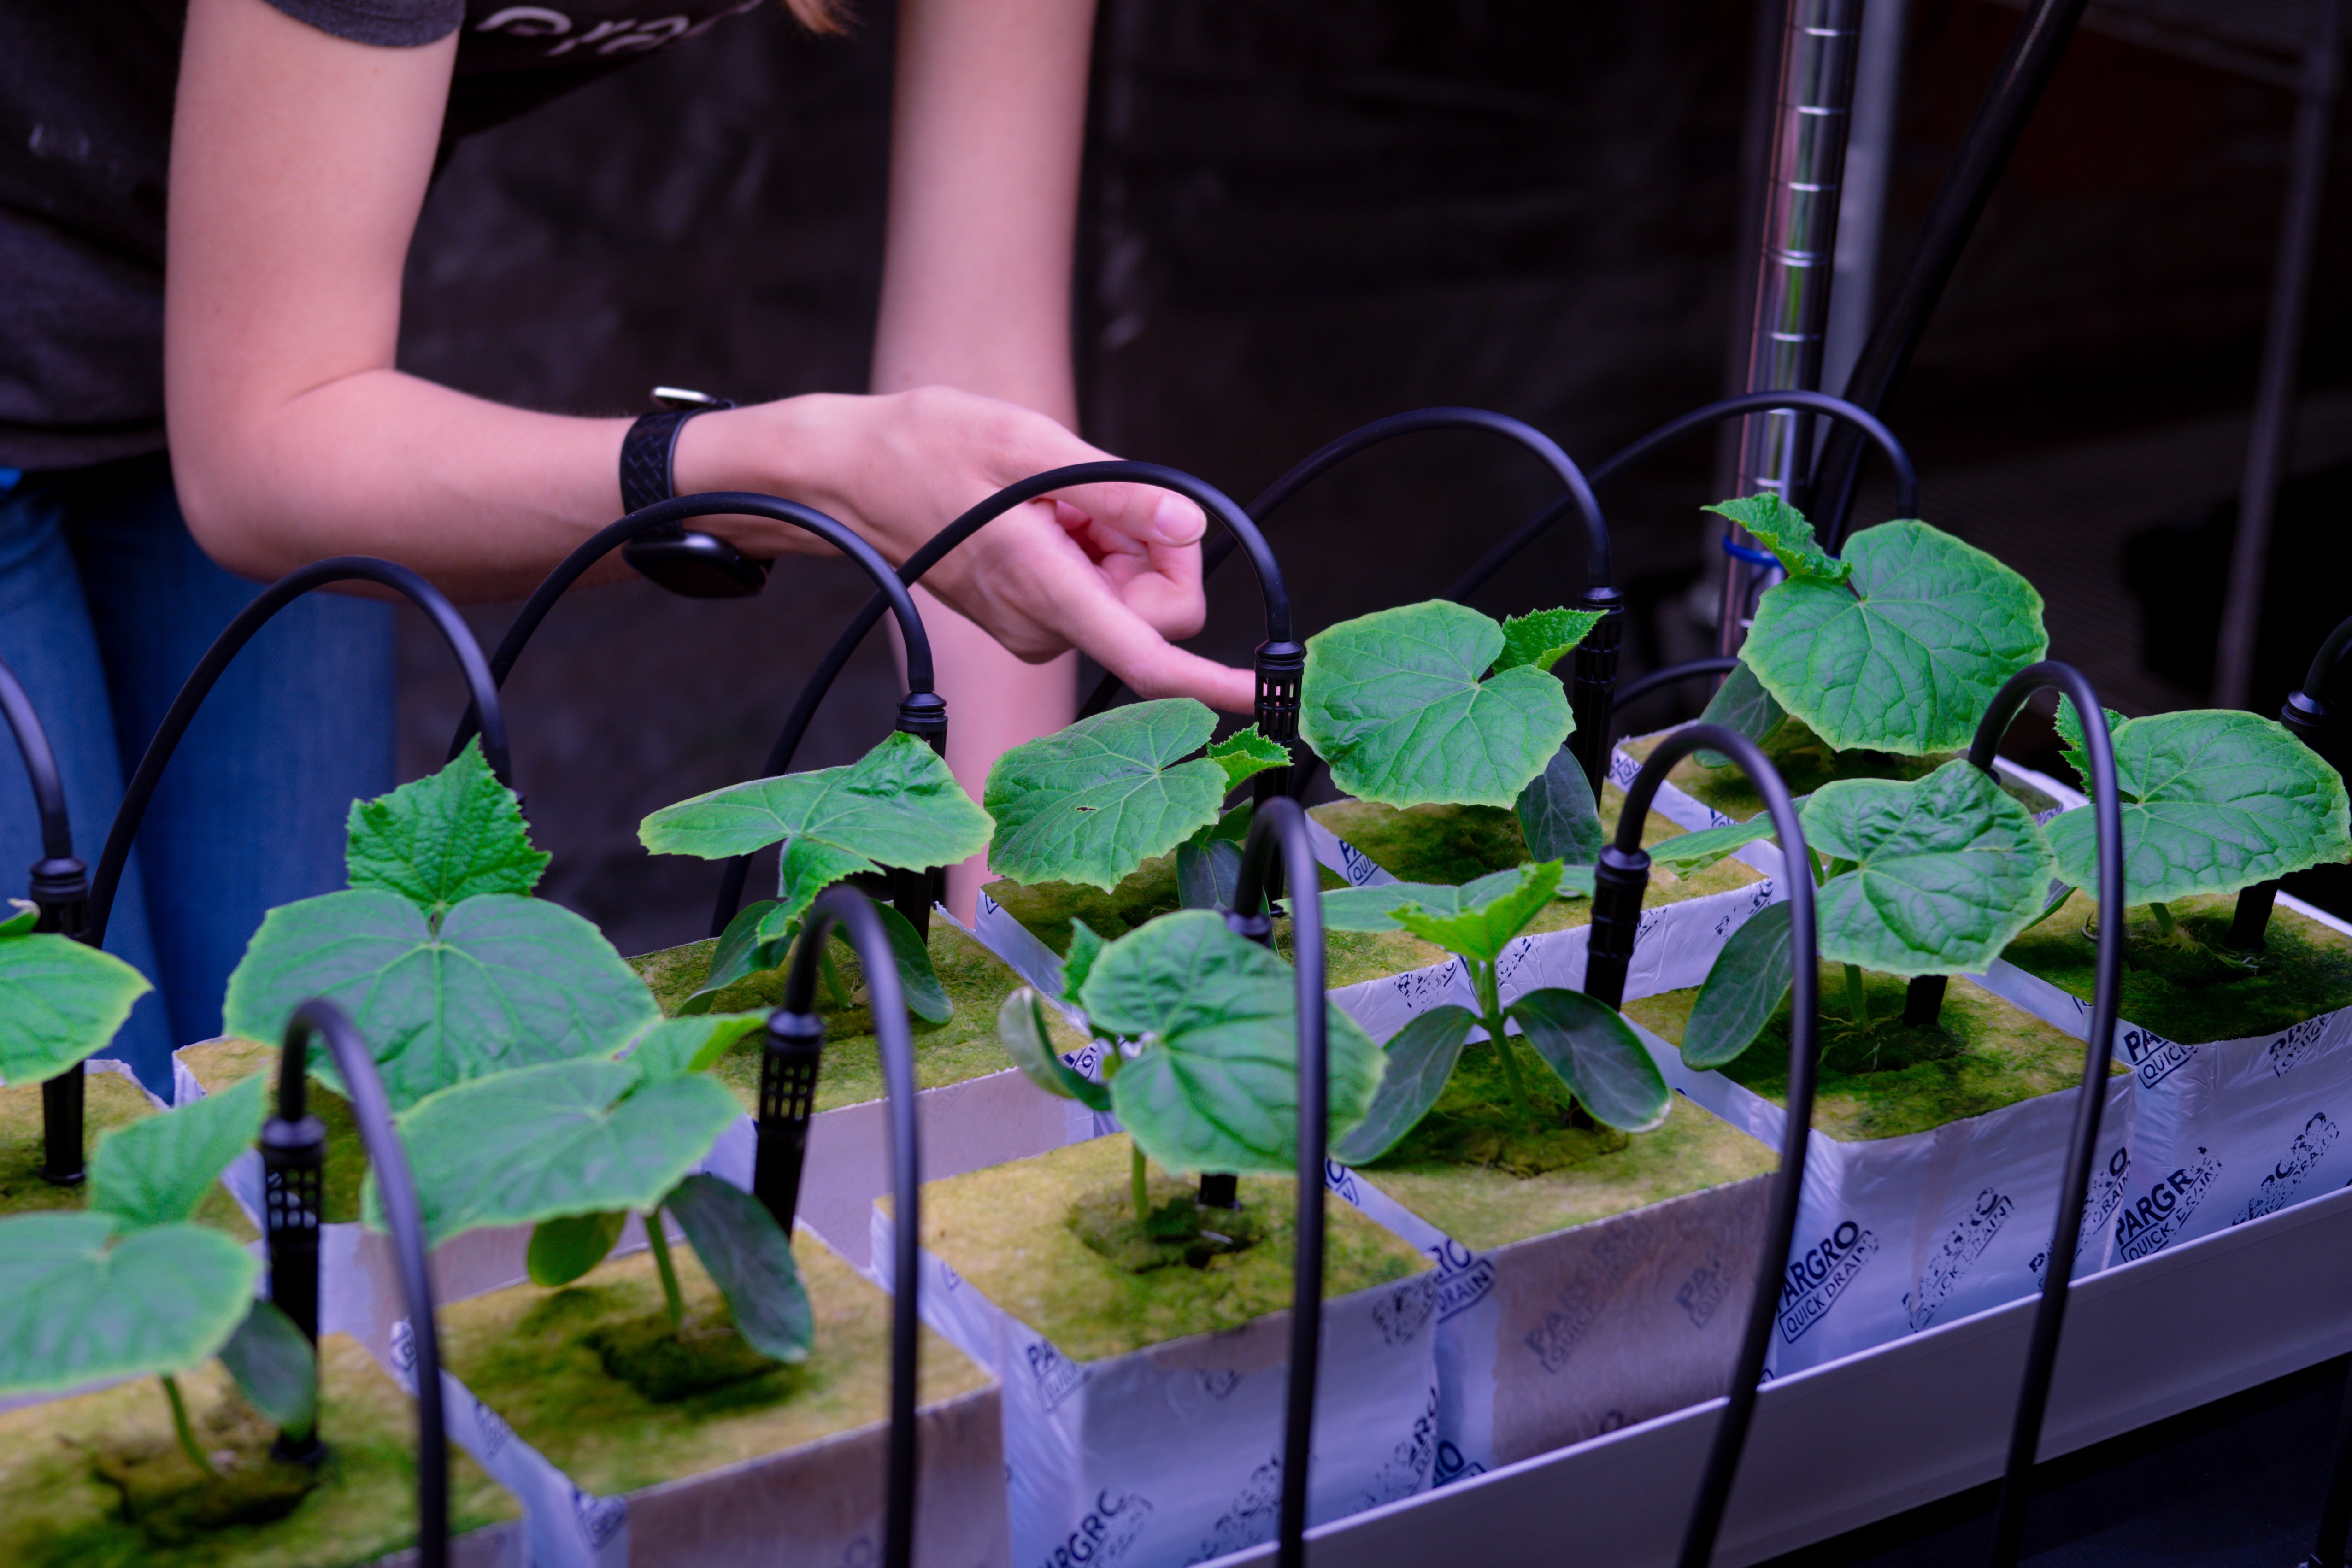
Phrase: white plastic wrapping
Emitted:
{"points": [[1173, 1454]]}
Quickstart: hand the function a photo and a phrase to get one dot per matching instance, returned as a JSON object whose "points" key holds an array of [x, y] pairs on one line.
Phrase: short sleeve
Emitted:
{"points": [[391, 23]]}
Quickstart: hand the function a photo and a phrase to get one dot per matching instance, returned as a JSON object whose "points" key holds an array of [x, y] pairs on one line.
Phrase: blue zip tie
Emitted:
{"points": [[1752, 557]]}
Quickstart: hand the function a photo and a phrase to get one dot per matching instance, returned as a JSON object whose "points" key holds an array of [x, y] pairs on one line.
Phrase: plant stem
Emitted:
{"points": [[1855, 999], [1136, 1182], [662, 1266], [1510, 1059], [833, 987], [188, 1444], [2164, 924]]}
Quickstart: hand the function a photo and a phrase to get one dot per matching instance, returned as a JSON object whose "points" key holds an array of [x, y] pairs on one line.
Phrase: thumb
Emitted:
{"points": [[1144, 513]]}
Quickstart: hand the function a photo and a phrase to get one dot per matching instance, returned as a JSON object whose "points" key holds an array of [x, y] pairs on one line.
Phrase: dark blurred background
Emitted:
{"points": [[1304, 216]]}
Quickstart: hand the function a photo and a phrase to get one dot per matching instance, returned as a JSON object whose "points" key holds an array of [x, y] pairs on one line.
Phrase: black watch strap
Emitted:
{"points": [[648, 448]]}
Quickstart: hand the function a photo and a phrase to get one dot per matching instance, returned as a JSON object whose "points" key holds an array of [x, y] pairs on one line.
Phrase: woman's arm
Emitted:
{"points": [[987, 135], [298, 164]]}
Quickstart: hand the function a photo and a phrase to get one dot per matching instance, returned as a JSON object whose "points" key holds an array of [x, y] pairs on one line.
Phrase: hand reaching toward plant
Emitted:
{"points": [[1112, 569]]}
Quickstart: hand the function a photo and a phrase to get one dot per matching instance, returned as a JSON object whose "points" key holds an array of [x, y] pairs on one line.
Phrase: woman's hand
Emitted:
{"points": [[1112, 569]]}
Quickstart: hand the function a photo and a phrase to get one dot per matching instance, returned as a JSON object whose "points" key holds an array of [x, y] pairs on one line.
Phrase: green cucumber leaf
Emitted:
{"points": [[1906, 656], [565, 1137], [1743, 707], [445, 837], [1557, 815], [74, 1309], [1246, 754], [1092, 803], [671, 1047], [1215, 1086], [563, 1248], [1690, 853], [926, 998], [744, 949], [275, 1366], [1596, 1054], [2213, 801], [156, 1170], [1539, 638], [2073, 744], [1021, 1029], [897, 805], [806, 868], [1080, 961], [1786, 532], [749, 1259], [1393, 702], [20, 924], [1745, 983], [1208, 873], [1421, 1058], [64, 1003], [1486, 917], [1947, 871], [505, 982], [1375, 909]]}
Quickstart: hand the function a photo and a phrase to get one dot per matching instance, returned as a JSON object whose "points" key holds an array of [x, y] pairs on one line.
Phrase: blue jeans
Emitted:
{"points": [[106, 604]]}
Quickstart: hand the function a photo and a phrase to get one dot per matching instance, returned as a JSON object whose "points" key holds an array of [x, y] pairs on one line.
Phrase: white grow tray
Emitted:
{"points": [[1876, 1433]]}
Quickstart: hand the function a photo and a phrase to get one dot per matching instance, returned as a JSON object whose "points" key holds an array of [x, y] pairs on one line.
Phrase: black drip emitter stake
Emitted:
{"points": [[2310, 716], [293, 1189], [1592, 682], [293, 1282], [1622, 870], [60, 894], [915, 889], [1252, 917], [793, 1052]]}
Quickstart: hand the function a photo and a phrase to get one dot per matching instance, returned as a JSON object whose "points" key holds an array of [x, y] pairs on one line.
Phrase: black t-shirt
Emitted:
{"points": [[86, 93]]}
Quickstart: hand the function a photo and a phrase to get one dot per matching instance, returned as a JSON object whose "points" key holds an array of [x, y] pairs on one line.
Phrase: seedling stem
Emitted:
{"points": [[1854, 997], [188, 1444], [2164, 922], [1137, 1186], [664, 1267]]}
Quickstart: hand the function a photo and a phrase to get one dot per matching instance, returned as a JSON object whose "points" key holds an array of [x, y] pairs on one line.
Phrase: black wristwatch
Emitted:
{"points": [[687, 562]]}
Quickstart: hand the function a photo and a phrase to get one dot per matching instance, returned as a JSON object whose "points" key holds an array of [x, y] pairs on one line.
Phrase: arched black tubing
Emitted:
{"points": [[2326, 665], [854, 912], [2107, 999], [1625, 857], [706, 504], [1906, 476], [373, 1112], [232, 640], [1271, 590], [1688, 670], [1278, 827], [1599, 561], [40, 768]]}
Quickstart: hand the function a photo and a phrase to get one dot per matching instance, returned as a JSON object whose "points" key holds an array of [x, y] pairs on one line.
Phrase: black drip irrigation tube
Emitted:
{"points": [[60, 894], [1619, 882], [1688, 670], [2033, 52], [921, 711], [2313, 715], [1277, 850], [225, 647], [1280, 660], [2107, 999], [293, 1162], [1595, 669], [794, 1050]]}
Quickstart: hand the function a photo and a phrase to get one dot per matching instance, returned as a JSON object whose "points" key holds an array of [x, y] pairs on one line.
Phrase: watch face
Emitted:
{"points": [[697, 566]]}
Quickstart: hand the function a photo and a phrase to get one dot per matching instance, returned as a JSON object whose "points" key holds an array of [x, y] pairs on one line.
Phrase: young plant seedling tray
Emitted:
{"points": [[1935, 1159], [976, 1111], [1143, 1410], [98, 1480], [636, 1445]]}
